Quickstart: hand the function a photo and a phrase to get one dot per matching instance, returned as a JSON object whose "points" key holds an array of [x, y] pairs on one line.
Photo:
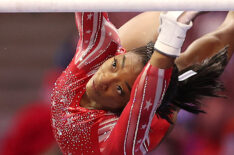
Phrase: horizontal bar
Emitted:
{"points": [[113, 5]]}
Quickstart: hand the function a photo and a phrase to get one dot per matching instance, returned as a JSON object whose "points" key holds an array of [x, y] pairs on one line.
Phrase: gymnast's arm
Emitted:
{"points": [[209, 44], [98, 40], [146, 30], [143, 29], [132, 131]]}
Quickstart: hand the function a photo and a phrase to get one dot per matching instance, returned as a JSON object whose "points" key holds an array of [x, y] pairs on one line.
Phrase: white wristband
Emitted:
{"points": [[171, 34]]}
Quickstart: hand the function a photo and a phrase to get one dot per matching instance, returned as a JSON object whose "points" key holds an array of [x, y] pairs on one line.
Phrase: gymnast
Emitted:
{"points": [[109, 100]]}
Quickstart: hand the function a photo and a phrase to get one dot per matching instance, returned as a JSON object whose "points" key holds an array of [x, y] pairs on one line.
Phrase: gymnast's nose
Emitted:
{"points": [[107, 80]]}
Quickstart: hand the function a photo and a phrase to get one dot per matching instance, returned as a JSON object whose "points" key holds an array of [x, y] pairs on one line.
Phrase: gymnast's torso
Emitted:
{"points": [[79, 130]]}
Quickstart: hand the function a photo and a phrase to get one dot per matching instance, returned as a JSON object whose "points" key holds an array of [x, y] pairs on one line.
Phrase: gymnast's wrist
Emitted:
{"points": [[171, 34]]}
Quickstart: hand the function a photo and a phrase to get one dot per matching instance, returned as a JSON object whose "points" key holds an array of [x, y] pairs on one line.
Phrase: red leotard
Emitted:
{"points": [[83, 131]]}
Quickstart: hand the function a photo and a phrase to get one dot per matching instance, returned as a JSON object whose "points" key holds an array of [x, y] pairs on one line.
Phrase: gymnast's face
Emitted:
{"points": [[110, 87]]}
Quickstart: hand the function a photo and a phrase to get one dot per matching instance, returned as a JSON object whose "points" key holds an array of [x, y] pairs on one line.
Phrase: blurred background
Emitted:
{"points": [[35, 48]]}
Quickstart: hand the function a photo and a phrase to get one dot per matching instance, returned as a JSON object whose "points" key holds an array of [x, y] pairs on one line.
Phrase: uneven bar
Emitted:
{"points": [[113, 5]]}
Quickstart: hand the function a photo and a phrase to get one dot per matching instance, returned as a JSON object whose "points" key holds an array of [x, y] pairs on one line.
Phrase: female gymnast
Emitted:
{"points": [[97, 108]]}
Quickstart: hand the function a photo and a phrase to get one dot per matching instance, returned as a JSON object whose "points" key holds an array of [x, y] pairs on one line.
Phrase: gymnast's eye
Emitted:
{"points": [[114, 63], [119, 90]]}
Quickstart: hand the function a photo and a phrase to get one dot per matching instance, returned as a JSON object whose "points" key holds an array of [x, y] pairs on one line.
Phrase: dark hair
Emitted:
{"points": [[187, 94], [145, 52]]}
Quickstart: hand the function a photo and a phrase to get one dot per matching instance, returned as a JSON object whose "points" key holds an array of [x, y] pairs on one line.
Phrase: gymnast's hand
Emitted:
{"points": [[172, 32], [188, 16]]}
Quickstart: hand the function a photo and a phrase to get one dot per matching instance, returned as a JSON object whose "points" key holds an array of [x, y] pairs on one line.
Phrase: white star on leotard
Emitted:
{"points": [[148, 104], [143, 126], [88, 31], [80, 59], [89, 16], [139, 141]]}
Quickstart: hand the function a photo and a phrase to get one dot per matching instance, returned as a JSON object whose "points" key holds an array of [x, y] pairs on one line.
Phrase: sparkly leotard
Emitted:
{"points": [[83, 131]]}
